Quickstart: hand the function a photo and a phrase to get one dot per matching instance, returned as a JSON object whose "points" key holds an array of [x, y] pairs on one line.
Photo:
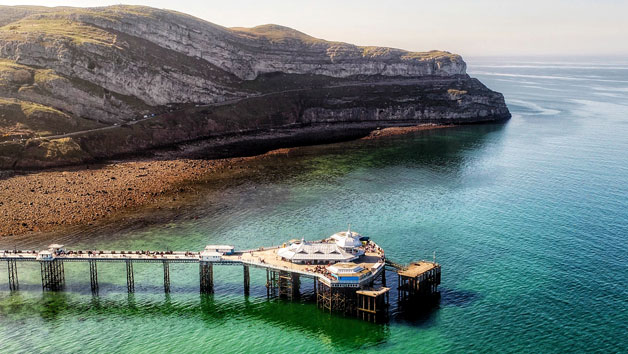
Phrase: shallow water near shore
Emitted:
{"points": [[529, 220]]}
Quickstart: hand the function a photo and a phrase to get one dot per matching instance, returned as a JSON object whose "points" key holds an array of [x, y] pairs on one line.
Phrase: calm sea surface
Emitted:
{"points": [[529, 220]]}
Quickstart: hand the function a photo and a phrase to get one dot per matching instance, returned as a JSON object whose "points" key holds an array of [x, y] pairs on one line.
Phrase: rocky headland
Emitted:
{"points": [[82, 85]]}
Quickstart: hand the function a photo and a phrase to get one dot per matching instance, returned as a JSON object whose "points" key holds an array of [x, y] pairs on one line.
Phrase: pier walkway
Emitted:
{"points": [[346, 285]]}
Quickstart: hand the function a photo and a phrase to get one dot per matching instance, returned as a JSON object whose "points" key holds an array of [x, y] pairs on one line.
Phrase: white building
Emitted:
{"points": [[56, 248], [44, 256], [222, 249], [347, 272], [315, 253], [349, 241], [209, 256], [342, 246], [345, 268]]}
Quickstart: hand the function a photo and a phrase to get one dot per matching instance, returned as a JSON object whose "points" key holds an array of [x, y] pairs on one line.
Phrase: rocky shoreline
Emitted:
{"points": [[49, 200]]}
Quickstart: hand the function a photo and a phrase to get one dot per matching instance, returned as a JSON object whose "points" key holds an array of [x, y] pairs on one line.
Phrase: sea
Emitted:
{"points": [[528, 218]]}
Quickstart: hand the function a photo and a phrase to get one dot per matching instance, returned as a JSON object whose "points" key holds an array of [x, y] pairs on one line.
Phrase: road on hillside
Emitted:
{"points": [[236, 100]]}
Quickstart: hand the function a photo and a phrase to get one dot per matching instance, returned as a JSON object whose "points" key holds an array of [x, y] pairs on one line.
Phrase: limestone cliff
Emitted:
{"points": [[100, 68]]}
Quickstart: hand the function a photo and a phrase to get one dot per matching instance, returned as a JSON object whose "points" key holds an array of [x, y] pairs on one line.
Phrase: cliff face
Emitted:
{"points": [[92, 68]]}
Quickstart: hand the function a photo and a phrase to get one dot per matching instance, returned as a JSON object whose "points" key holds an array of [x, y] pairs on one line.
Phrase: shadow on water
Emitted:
{"points": [[302, 316], [458, 298], [226, 305], [211, 309], [422, 313], [419, 314], [54, 305], [429, 148]]}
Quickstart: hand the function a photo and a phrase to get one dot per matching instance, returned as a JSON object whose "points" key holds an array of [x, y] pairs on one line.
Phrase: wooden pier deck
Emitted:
{"points": [[415, 269], [419, 279], [105, 256], [265, 258], [268, 259]]}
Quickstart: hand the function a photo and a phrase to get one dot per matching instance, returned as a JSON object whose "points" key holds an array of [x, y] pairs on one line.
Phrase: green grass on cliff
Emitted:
{"points": [[10, 14], [21, 119], [40, 153], [44, 76], [27, 118], [9, 65], [373, 52], [277, 33], [12, 74], [429, 55], [51, 27]]}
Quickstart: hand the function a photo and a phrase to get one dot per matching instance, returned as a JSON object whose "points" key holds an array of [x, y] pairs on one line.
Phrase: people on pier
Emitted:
{"points": [[321, 270]]}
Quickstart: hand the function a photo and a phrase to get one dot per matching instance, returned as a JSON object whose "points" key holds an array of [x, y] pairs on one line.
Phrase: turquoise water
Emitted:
{"points": [[529, 220]]}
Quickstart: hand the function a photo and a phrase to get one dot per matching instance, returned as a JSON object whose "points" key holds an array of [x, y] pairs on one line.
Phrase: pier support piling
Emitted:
{"points": [[271, 283], [324, 296], [166, 277], [130, 277], [267, 283], [344, 300], [372, 305], [336, 299], [384, 277], [52, 275], [296, 285], [13, 281], [206, 274], [247, 280], [93, 276], [289, 284], [400, 292]]}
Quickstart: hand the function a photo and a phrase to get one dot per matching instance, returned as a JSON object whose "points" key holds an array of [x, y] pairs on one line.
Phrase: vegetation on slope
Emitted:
{"points": [[23, 119], [51, 27]]}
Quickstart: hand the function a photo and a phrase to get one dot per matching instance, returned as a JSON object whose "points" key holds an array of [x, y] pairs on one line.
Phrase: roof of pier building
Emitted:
{"points": [[44, 255], [315, 251], [219, 248], [209, 255], [345, 267], [347, 239]]}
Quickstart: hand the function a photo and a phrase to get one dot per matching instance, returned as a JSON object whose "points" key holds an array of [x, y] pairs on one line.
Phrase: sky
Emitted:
{"points": [[467, 27]]}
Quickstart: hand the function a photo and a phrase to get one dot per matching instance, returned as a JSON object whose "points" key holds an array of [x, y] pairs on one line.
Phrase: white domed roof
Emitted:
{"points": [[347, 239]]}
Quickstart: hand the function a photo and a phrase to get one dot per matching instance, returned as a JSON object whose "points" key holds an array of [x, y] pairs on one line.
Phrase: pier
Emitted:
{"points": [[348, 270]]}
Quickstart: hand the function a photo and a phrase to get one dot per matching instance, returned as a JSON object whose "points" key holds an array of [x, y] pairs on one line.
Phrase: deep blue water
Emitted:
{"points": [[529, 220]]}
